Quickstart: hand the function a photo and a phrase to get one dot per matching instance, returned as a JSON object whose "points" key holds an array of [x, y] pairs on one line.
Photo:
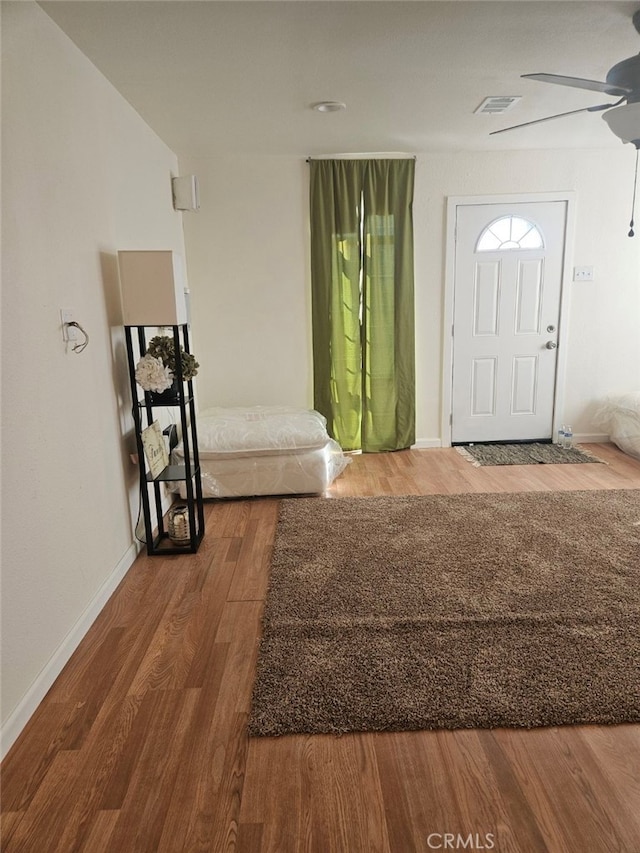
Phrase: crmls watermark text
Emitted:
{"points": [[452, 841]]}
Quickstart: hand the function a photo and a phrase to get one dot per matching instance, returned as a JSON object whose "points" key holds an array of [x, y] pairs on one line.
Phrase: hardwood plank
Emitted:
{"points": [[90, 789], [201, 633], [144, 614], [8, 823], [101, 832], [231, 517], [250, 838], [616, 751], [205, 806], [165, 665], [522, 820], [168, 663], [417, 790], [27, 764], [272, 798], [191, 813], [44, 820], [240, 628], [483, 811], [252, 563], [341, 783], [141, 820], [575, 807], [315, 794]]}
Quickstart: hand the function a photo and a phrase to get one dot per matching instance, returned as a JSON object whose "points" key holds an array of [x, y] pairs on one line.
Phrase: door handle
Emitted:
{"points": [[551, 345]]}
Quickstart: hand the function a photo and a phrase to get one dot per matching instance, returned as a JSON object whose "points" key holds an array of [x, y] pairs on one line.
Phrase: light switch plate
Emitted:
{"points": [[69, 333], [583, 273]]}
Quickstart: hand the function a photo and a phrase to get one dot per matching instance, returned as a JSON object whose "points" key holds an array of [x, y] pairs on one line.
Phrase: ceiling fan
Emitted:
{"points": [[622, 116], [622, 82]]}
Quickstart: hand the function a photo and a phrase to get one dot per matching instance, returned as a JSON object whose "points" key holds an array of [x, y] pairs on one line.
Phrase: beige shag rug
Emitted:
{"points": [[399, 613]]}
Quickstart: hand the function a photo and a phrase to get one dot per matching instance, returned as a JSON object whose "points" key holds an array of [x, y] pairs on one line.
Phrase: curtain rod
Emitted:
{"points": [[373, 156]]}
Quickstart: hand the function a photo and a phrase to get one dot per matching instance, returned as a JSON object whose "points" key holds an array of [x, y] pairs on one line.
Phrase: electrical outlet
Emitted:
{"points": [[583, 273], [69, 333]]}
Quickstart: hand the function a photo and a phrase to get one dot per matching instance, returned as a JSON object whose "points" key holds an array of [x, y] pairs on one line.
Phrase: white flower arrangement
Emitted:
{"points": [[152, 375]]}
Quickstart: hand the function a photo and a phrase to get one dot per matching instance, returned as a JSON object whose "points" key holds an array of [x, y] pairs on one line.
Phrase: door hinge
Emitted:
{"points": [[451, 419]]}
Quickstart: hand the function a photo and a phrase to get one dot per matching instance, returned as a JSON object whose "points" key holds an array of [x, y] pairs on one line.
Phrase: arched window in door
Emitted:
{"points": [[510, 232]]}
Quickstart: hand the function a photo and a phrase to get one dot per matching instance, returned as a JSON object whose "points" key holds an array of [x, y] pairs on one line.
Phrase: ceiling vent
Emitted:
{"points": [[498, 104]]}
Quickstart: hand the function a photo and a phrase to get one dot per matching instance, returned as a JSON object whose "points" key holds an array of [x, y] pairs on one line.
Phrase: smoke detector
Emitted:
{"points": [[328, 106]]}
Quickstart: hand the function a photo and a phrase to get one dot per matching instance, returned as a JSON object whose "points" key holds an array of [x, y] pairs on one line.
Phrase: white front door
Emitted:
{"points": [[508, 280]]}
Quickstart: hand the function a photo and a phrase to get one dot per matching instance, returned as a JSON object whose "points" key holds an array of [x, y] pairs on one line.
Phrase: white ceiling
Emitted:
{"points": [[213, 77]]}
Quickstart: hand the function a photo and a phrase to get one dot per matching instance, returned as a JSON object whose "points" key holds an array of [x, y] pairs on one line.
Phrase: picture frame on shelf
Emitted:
{"points": [[155, 449]]}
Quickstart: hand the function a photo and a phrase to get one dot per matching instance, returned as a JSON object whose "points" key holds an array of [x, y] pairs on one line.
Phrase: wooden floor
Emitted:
{"points": [[141, 744]]}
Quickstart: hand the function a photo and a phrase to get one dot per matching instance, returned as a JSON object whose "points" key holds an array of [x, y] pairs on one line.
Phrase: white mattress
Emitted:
{"points": [[258, 430], [264, 450]]}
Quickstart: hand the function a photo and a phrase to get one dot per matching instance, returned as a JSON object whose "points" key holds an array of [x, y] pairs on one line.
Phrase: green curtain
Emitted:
{"points": [[362, 301]]}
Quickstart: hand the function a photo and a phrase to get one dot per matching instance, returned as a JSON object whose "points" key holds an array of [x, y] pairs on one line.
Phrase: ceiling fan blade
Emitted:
{"points": [[593, 109], [579, 83]]}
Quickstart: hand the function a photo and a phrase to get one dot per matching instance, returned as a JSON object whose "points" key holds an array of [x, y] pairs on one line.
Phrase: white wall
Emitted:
{"points": [[83, 176], [248, 261], [248, 250]]}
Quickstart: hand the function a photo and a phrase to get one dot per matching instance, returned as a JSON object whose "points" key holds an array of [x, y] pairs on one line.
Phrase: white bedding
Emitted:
{"points": [[620, 416], [264, 450]]}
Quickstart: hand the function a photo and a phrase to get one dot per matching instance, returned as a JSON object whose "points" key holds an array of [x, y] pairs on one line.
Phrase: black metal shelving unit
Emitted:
{"points": [[157, 536]]}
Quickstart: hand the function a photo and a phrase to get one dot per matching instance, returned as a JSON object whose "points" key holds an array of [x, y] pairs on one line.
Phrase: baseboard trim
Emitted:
{"points": [[21, 715], [579, 438], [590, 438], [423, 443]]}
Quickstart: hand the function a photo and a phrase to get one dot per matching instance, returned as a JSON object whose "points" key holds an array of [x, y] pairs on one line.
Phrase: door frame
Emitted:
{"points": [[453, 203]]}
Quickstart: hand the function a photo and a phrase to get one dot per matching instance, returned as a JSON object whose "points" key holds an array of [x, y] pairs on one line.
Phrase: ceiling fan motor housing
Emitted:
{"points": [[626, 75], [624, 121]]}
